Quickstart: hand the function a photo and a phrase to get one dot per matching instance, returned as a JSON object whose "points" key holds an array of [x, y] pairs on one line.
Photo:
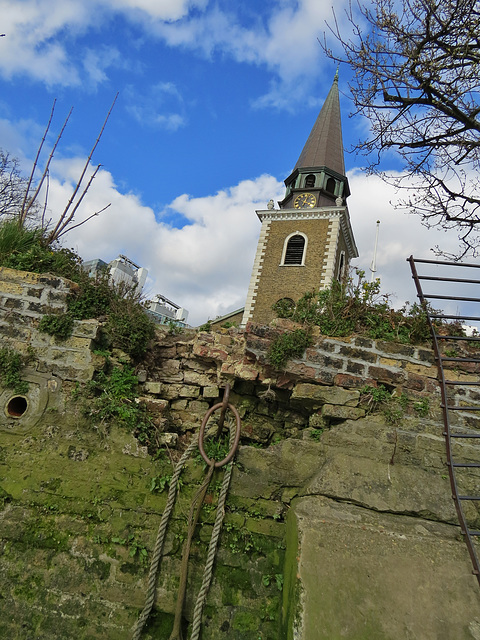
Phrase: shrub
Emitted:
{"points": [[284, 308], [288, 345], [128, 324], [57, 325], [11, 365], [112, 396], [358, 307]]}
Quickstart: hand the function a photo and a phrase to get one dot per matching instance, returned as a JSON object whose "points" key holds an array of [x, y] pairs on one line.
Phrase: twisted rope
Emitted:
{"points": [[158, 549], [193, 516], [212, 549]]}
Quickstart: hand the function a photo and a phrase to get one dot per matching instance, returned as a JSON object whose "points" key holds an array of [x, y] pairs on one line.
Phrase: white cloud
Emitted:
{"points": [[168, 10], [32, 45], [42, 39], [162, 106], [400, 236], [205, 266]]}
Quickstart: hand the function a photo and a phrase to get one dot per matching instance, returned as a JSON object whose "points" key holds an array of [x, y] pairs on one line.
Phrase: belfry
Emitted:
{"points": [[308, 241]]}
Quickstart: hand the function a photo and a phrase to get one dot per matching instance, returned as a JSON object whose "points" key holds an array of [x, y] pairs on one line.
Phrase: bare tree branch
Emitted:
{"points": [[47, 166], [64, 218], [21, 218], [84, 221], [416, 78]]}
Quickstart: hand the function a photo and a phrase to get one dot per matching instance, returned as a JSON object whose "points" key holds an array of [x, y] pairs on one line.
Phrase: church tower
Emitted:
{"points": [[308, 241]]}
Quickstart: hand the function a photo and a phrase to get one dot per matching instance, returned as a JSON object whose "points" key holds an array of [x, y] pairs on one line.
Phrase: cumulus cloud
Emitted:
{"points": [[42, 38], [162, 106], [204, 266], [400, 235]]}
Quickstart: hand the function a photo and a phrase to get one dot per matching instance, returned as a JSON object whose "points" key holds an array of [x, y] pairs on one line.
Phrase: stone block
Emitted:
{"points": [[390, 569], [188, 391], [338, 412], [170, 371], [396, 348], [198, 407], [300, 369], [85, 329], [320, 395], [211, 392], [385, 375], [170, 439], [364, 343], [155, 388], [210, 353], [357, 368], [200, 379], [358, 354], [352, 382], [415, 382], [426, 355], [421, 370]]}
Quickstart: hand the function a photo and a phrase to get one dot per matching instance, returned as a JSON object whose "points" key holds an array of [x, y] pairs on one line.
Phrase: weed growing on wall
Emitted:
{"points": [[288, 345], [393, 406], [111, 397], [11, 364], [127, 325], [59, 325], [357, 306]]}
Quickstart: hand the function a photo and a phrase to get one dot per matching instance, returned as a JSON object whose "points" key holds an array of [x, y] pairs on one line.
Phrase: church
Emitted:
{"points": [[307, 241]]}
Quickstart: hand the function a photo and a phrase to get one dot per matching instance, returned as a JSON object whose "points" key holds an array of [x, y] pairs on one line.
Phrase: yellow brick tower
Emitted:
{"points": [[308, 241]]}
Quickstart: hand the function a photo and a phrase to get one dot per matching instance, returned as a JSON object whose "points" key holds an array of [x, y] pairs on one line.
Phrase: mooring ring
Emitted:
{"points": [[201, 435]]}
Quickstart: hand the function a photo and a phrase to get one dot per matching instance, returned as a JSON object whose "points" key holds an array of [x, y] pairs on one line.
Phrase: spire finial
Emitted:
{"points": [[336, 74]]}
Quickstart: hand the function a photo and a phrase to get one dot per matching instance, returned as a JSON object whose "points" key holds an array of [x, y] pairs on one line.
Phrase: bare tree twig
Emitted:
{"points": [[60, 226], [21, 218]]}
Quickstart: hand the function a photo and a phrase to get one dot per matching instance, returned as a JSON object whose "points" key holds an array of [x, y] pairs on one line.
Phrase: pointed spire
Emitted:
{"points": [[324, 147]]}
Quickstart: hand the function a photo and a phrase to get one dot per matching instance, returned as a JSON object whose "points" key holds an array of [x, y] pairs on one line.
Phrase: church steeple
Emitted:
{"points": [[324, 146], [320, 169], [308, 241]]}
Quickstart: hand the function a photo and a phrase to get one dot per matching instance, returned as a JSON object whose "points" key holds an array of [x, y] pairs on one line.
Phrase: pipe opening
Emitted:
{"points": [[17, 406]]}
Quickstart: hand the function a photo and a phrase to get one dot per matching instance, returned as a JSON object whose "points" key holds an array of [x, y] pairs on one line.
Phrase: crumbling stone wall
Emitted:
{"points": [[338, 523]]}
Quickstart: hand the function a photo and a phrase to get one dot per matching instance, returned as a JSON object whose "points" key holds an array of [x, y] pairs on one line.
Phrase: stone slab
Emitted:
{"points": [[369, 576]]}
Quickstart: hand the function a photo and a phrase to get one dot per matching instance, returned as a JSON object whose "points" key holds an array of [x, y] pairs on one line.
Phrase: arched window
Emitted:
{"points": [[330, 186], [310, 181], [294, 249]]}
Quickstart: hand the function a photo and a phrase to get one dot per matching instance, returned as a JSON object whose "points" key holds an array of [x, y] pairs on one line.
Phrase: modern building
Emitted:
{"points": [[164, 311], [122, 271], [125, 271], [308, 241]]}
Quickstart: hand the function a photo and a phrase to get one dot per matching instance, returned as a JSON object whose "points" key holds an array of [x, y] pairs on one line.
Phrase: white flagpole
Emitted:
{"points": [[373, 266]]}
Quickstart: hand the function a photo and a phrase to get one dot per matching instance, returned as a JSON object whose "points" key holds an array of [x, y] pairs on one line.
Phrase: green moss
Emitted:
{"points": [[245, 621], [43, 533], [290, 584], [159, 625]]}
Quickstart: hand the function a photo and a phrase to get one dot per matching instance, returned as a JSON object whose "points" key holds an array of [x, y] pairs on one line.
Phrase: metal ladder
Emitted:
{"points": [[455, 435]]}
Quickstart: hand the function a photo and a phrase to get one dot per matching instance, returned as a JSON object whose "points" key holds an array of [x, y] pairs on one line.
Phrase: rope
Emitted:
{"points": [[193, 516], [212, 551], [162, 529]]}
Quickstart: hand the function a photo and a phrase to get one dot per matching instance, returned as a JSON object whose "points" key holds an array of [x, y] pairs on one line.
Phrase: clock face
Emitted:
{"points": [[304, 200]]}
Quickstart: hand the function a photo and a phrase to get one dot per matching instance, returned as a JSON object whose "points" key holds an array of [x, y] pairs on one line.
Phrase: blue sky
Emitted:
{"points": [[216, 99]]}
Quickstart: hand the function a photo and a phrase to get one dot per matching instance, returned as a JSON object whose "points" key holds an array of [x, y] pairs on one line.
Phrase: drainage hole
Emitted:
{"points": [[17, 406]]}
